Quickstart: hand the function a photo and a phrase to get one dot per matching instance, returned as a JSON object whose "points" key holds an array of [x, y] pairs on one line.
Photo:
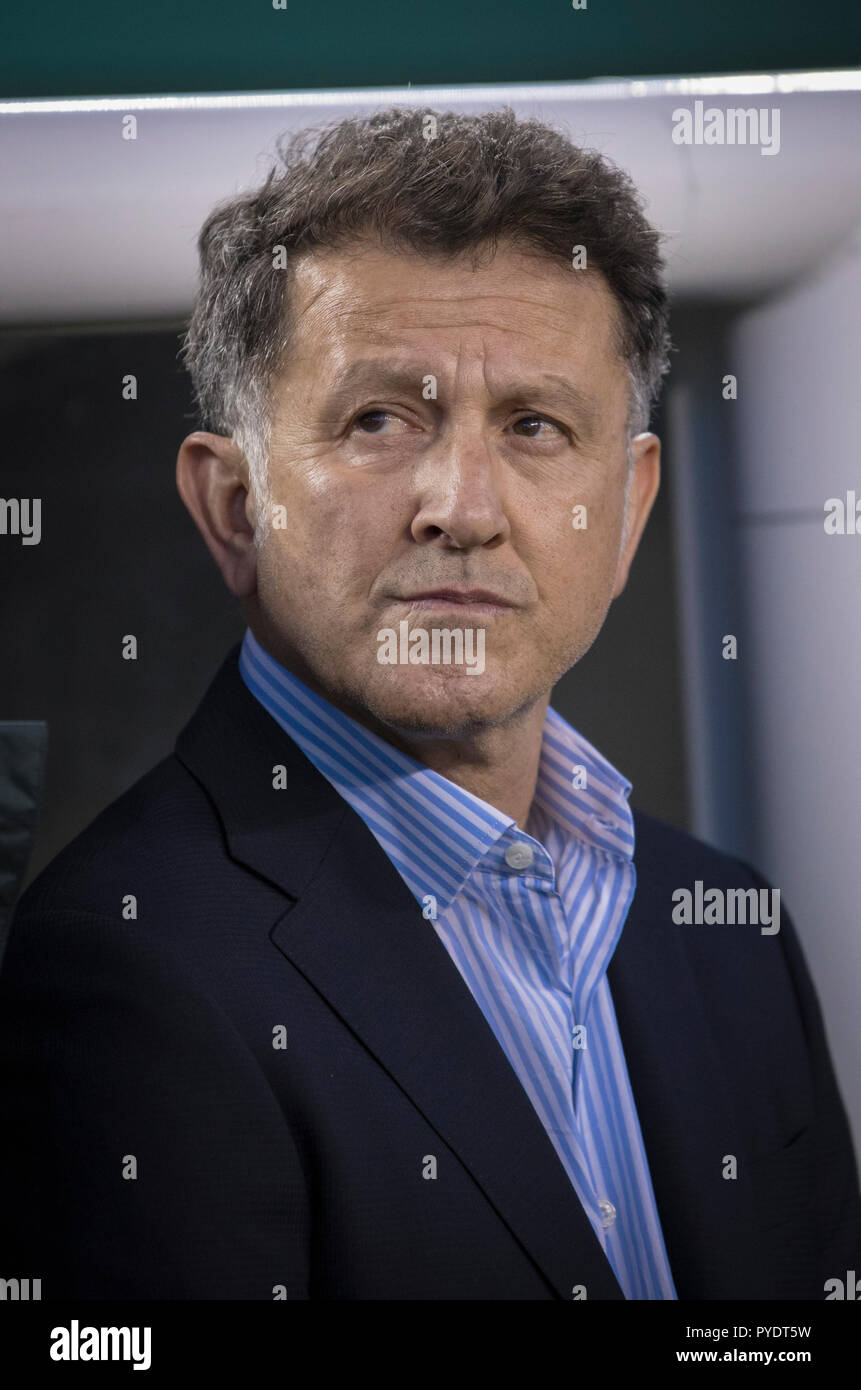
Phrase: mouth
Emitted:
{"points": [[476, 601]]}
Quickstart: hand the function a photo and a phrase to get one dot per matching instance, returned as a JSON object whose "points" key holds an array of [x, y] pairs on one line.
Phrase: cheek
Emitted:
{"points": [[577, 551], [323, 555]]}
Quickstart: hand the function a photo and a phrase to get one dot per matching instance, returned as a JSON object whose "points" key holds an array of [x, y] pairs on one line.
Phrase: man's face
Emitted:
{"points": [[433, 432]]}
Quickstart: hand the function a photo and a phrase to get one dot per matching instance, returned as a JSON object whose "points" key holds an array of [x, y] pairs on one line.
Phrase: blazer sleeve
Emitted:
{"points": [[834, 1193], [143, 1152]]}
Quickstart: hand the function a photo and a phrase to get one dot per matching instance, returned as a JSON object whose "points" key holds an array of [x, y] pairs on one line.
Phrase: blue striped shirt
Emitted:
{"points": [[531, 919]]}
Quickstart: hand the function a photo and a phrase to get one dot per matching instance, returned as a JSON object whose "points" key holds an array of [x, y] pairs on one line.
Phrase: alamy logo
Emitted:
{"points": [[78, 1343], [735, 126], [838, 1288], [21, 516], [20, 1290], [716, 906], [444, 646], [843, 518]]}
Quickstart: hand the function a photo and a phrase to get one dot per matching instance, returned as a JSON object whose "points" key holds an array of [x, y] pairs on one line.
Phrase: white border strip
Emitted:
{"points": [[598, 89]]}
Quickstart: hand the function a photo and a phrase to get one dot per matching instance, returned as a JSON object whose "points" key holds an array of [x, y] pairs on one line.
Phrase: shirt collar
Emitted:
{"points": [[434, 832]]}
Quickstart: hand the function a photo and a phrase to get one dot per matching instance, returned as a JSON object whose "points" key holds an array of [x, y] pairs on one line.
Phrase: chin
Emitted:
{"points": [[448, 705]]}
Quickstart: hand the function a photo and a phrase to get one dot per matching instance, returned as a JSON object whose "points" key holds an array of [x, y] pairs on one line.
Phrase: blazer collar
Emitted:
{"points": [[234, 749]]}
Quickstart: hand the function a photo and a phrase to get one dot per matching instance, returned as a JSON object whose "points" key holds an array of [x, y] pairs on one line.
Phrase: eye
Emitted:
{"points": [[371, 421], [531, 420]]}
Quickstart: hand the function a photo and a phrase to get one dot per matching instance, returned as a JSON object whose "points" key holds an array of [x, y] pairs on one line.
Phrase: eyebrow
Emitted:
{"points": [[550, 388]]}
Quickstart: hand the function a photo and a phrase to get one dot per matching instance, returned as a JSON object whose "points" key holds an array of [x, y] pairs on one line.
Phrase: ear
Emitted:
{"points": [[213, 480], [643, 484]]}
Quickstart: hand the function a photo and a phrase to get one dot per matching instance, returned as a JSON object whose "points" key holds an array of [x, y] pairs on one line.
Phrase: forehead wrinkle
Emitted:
{"points": [[409, 300], [373, 333], [321, 264], [366, 373], [409, 306], [457, 297]]}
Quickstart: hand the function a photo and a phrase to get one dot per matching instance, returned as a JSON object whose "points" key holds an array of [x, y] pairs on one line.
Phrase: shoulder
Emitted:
{"points": [[150, 834], [140, 909], [662, 853], [147, 886]]}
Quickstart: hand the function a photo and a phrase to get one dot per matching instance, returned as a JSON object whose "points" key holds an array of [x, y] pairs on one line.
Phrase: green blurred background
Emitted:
{"points": [[97, 48]]}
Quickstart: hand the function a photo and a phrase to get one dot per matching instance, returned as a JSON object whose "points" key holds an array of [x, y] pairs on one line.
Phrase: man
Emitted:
{"points": [[359, 994]]}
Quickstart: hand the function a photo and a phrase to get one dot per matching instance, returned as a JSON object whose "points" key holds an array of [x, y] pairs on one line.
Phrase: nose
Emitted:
{"points": [[459, 497]]}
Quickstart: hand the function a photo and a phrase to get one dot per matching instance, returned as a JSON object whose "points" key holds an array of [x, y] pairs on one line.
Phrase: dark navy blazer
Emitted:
{"points": [[156, 1144]]}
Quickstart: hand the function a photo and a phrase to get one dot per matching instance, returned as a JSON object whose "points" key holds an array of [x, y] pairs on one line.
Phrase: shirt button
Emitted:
{"points": [[608, 1213], [519, 855]]}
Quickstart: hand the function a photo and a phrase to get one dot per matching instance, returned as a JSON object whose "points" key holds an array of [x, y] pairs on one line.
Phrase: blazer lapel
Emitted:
{"points": [[359, 937]]}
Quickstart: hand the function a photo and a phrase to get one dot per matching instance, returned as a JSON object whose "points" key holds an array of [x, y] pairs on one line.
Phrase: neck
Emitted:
{"points": [[498, 764]]}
